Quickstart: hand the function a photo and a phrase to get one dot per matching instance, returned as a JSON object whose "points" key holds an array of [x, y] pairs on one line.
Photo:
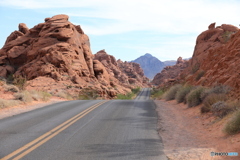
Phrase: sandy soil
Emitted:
{"points": [[11, 111], [188, 135]]}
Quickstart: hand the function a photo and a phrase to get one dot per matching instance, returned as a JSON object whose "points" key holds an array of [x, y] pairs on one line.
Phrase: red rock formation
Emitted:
{"points": [[170, 74], [128, 73], [58, 50], [216, 58], [211, 39]]}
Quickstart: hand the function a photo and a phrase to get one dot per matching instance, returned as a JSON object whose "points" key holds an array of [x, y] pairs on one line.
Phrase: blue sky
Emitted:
{"points": [[128, 29]]}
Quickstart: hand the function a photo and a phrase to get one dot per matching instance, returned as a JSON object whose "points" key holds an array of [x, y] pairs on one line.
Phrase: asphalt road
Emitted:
{"points": [[84, 130]]}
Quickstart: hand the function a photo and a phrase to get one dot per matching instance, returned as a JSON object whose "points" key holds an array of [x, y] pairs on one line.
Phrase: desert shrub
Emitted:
{"points": [[182, 93], [40, 95], [157, 93], [45, 95], [171, 93], [24, 96], [195, 68], [2, 81], [210, 100], [233, 125], [35, 95], [227, 35], [83, 97], [10, 78], [11, 88], [125, 96], [220, 109], [88, 93], [136, 90], [64, 95], [20, 82], [8, 103], [194, 97], [199, 75], [220, 89]]}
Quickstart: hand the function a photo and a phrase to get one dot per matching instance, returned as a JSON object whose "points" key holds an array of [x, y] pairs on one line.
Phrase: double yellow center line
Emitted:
{"points": [[26, 149]]}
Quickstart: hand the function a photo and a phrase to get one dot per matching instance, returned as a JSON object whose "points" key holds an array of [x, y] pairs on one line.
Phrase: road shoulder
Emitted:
{"points": [[188, 135]]}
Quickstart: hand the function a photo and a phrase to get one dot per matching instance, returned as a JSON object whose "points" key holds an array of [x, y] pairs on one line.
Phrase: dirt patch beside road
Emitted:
{"points": [[188, 135]]}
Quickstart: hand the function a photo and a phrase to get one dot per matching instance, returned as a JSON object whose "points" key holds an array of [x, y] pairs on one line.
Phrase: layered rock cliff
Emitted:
{"points": [[56, 56]]}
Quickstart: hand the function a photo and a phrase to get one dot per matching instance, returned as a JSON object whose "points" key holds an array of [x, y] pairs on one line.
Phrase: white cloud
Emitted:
{"points": [[178, 18], [173, 16]]}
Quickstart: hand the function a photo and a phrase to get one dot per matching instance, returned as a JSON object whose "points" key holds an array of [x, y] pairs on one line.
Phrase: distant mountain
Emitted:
{"points": [[150, 65]]}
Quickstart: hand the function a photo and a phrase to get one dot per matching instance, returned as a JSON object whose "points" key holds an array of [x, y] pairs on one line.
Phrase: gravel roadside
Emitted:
{"points": [[188, 135]]}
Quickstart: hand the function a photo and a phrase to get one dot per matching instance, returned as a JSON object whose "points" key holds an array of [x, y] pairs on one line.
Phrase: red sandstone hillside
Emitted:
{"points": [[216, 60], [55, 56]]}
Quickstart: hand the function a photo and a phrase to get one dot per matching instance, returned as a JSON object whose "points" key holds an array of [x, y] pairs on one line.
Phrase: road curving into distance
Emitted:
{"points": [[84, 130]]}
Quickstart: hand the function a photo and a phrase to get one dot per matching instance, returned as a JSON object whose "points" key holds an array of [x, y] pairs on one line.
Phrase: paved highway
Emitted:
{"points": [[84, 130]]}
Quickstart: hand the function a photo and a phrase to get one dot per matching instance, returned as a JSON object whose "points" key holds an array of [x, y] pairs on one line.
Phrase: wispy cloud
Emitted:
{"points": [[164, 28], [173, 16]]}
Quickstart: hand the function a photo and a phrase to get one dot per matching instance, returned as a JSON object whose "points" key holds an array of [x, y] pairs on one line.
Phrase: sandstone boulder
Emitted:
{"points": [[59, 52]]}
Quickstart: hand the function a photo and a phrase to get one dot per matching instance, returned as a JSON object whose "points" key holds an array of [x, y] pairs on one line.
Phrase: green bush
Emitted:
{"points": [[8, 103], [136, 90], [171, 93], [182, 93], [127, 96], [194, 97], [157, 93], [233, 126], [24, 96], [210, 100], [220, 109]]}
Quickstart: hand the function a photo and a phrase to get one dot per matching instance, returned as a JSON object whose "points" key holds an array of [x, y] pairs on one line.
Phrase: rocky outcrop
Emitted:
{"points": [[150, 65], [170, 74], [209, 40], [216, 58], [60, 51], [127, 73]]}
